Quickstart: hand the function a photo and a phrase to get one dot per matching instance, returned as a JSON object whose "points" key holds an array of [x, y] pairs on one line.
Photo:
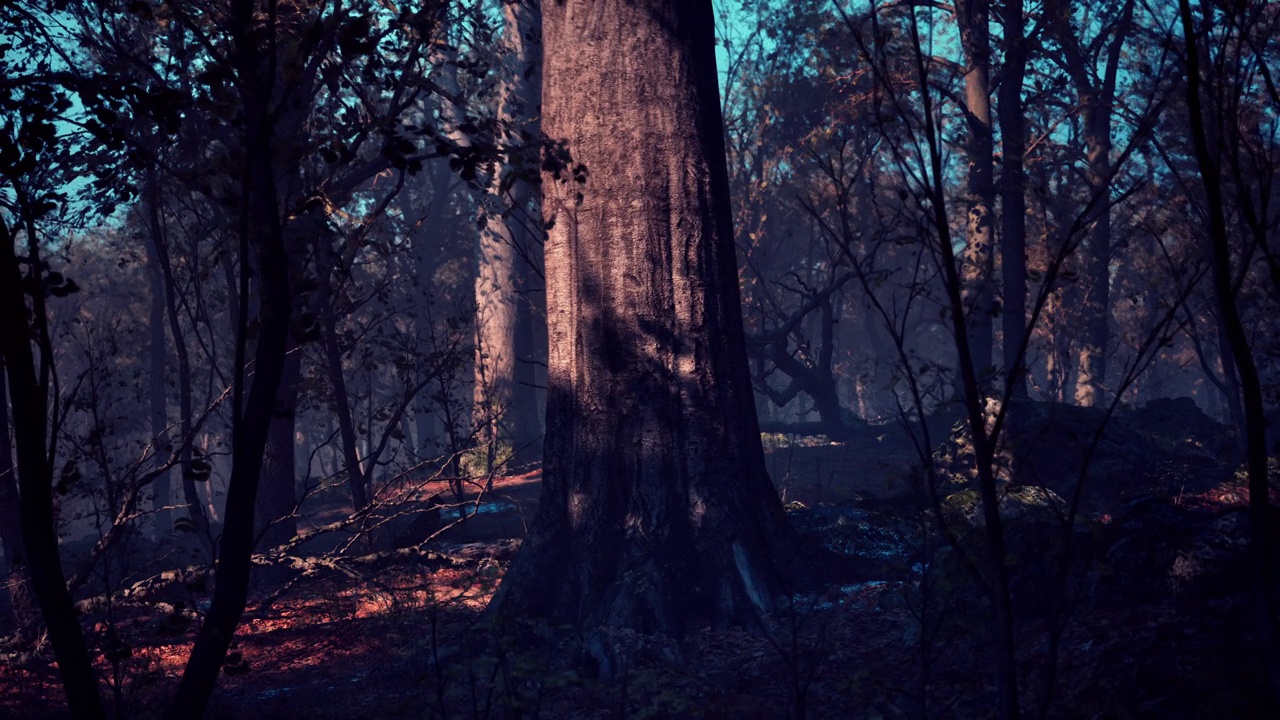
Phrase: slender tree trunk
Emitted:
{"points": [[260, 232], [430, 434], [186, 425], [1091, 380], [506, 402], [17, 579], [186, 422], [1097, 94], [277, 493], [29, 399], [1255, 432], [984, 444], [1231, 380], [158, 354], [1013, 221], [356, 480], [656, 512], [973, 17], [277, 497]]}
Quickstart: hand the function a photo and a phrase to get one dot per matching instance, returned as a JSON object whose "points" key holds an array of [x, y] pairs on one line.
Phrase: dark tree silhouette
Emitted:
{"points": [[260, 234]]}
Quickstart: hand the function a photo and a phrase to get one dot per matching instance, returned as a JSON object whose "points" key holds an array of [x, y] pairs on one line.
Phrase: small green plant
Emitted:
{"points": [[486, 460], [774, 441]]}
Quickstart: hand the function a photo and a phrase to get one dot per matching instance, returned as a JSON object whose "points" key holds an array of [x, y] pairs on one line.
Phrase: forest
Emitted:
{"points": [[639, 359]]}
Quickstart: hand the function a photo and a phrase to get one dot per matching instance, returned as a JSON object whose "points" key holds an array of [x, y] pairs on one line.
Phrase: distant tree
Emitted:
{"points": [[1093, 65], [656, 512], [978, 267], [810, 202], [1013, 222], [510, 317]]}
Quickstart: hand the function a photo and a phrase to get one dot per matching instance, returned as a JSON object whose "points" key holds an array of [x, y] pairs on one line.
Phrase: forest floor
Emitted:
{"points": [[1159, 626]]}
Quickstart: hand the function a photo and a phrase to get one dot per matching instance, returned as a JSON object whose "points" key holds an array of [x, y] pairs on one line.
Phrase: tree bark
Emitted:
{"points": [[656, 510], [508, 318], [973, 17], [1097, 99], [1013, 221], [277, 498]]}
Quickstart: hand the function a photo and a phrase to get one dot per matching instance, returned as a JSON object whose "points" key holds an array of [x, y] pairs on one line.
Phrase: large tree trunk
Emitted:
{"points": [[508, 314], [656, 510], [973, 17]]}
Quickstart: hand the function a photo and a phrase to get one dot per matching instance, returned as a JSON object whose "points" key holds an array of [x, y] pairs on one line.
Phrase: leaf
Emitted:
{"points": [[235, 664], [175, 623], [199, 471], [70, 476]]}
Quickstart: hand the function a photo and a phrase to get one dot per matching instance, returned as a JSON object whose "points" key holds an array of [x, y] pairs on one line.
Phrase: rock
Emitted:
{"points": [[1033, 519], [1180, 420], [1166, 446], [1139, 545], [844, 543]]}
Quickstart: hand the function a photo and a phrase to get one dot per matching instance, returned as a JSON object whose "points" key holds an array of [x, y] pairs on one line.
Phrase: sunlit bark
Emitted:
{"points": [[1013, 221], [978, 268], [509, 303], [1097, 95]]}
